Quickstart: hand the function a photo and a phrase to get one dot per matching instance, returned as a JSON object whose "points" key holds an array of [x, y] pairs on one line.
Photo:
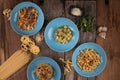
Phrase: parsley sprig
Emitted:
{"points": [[85, 24]]}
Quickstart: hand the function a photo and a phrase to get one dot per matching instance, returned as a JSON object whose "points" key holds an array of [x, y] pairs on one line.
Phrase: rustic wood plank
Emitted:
{"points": [[111, 43], [89, 9], [2, 31], [106, 15], [13, 38], [51, 9], [12, 42]]}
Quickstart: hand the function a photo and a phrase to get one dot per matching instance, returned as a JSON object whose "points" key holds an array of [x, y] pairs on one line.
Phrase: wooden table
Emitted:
{"points": [[106, 12]]}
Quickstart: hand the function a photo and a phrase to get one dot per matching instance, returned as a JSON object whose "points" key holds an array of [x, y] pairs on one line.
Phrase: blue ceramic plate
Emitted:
{"points": [[30, 70], [100, 67], [49, 34], [14, 19]]}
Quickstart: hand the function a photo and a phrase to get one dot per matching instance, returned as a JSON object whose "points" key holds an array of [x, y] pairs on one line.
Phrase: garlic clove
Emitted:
{"points": [[102, 35], [76, 11], [100, 29], [104, 28], [39, 37]]}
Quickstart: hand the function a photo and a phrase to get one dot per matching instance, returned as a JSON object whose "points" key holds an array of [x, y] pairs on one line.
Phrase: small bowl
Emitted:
{"points": [[73, 7]]}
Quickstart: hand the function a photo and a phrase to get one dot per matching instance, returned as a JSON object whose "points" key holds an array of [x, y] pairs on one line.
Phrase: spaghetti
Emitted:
{"points": [[14, 63]]}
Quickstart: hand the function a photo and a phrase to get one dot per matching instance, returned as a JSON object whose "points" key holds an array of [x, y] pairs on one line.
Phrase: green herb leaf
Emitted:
{"points": [[85, 24]]}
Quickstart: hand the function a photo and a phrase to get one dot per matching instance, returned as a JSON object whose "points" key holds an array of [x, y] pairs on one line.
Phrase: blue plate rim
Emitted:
{"points": [[74, 60], [77, 33], [23, 32], [44, 57]]}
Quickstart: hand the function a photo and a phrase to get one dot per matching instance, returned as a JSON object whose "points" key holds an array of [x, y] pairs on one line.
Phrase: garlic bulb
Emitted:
{"points": [[102, 29], [76, 11], [102, 35]]}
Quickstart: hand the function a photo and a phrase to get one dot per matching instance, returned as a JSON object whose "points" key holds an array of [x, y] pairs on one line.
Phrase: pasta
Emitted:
{"points": [[14, 63], [34, 49], [88, 60], [68, 65], [7, 12], [63, 34], [29, 45], [24, 47], [27, 40], [44, 71], [27, 18]]}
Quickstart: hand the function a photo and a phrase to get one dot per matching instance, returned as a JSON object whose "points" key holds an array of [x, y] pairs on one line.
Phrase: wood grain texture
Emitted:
{"points": [[107, 15], [51, 9], [88, 9], [110, 18]]}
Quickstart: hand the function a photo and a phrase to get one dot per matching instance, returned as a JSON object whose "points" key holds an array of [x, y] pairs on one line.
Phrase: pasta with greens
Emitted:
{"points": [[63, 34]]}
